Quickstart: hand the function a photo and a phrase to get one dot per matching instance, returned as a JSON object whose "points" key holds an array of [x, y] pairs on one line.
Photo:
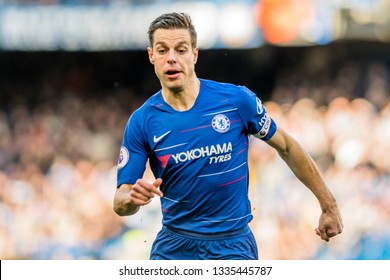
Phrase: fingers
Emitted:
{"points": [[331, 233], [157, 184], [322, 234], [326, 234], [143, 192], [140, 199]]}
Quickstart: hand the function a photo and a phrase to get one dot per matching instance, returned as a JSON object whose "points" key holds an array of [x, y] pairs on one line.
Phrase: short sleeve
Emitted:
{"points": [[133, 153], [254, 115]]}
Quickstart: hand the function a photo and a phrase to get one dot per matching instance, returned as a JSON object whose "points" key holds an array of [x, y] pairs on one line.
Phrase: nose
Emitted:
{"points": [[171, 56]]}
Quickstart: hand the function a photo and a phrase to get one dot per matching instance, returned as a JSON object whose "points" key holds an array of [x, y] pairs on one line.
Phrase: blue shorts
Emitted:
{"points": [[172, 244]]}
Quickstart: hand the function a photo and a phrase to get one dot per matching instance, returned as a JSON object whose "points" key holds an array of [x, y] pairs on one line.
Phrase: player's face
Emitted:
{"points": [[173, 58]]}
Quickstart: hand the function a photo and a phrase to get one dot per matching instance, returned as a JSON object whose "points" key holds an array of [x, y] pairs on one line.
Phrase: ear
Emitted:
{"points": [[150, 54], [196, 53]]}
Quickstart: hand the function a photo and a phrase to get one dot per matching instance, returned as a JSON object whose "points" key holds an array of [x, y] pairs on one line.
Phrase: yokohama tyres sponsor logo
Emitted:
{"points": [[212, 151]]}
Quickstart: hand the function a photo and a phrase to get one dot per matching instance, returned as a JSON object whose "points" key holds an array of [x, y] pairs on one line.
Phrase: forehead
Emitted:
{"points": [[171, 36]]}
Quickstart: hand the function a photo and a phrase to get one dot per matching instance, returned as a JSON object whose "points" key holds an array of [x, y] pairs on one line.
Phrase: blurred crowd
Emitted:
{"points": [[58, 167]]}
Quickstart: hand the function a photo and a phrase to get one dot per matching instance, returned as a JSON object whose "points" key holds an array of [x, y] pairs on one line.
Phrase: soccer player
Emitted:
{"points": [[194, 132]]}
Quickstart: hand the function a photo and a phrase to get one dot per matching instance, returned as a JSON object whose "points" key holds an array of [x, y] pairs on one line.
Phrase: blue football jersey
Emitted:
{"points": [[200, 154]]}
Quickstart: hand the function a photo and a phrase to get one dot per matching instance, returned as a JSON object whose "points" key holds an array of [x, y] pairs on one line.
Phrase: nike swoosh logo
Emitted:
{"points": [[156, 139]]}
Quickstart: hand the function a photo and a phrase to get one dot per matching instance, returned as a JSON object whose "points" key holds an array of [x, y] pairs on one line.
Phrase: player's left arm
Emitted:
{"points": [[306, 170]]}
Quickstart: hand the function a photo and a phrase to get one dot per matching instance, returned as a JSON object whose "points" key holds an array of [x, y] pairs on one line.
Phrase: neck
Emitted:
{"points": [[182, 99]]}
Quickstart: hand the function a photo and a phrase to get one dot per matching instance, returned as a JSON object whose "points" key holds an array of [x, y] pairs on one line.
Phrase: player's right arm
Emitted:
{"points": [[130, 197]]}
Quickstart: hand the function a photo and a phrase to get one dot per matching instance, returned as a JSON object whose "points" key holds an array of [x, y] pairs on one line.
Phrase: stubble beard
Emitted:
{"points": [[174, 89]]}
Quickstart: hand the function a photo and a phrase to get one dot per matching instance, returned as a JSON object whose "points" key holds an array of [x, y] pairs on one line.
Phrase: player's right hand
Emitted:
{"points": [[142, 192]]}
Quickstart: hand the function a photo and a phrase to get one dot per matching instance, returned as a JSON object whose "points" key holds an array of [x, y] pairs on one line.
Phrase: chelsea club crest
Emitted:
{"points": [[221, 123]]}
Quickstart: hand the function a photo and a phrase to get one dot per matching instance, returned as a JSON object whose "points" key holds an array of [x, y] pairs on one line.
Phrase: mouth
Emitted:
{"points": [[172, 73]]}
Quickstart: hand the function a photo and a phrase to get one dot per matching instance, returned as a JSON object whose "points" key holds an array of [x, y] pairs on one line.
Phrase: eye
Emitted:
{"points": [[161, 51], [182, 51]]}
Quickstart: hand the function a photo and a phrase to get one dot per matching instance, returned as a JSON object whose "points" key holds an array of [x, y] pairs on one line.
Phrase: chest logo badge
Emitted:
{"points": [[221, 123]]}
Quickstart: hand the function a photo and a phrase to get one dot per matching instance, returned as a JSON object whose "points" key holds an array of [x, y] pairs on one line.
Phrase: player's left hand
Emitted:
{"points": [[330, 224]]}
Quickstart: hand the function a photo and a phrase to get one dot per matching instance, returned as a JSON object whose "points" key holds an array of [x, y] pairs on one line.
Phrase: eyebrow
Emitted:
{"points": [[181, 43]]}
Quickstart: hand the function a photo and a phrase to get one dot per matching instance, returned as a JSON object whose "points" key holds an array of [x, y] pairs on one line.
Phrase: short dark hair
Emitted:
{"points": [[173, 21]]}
